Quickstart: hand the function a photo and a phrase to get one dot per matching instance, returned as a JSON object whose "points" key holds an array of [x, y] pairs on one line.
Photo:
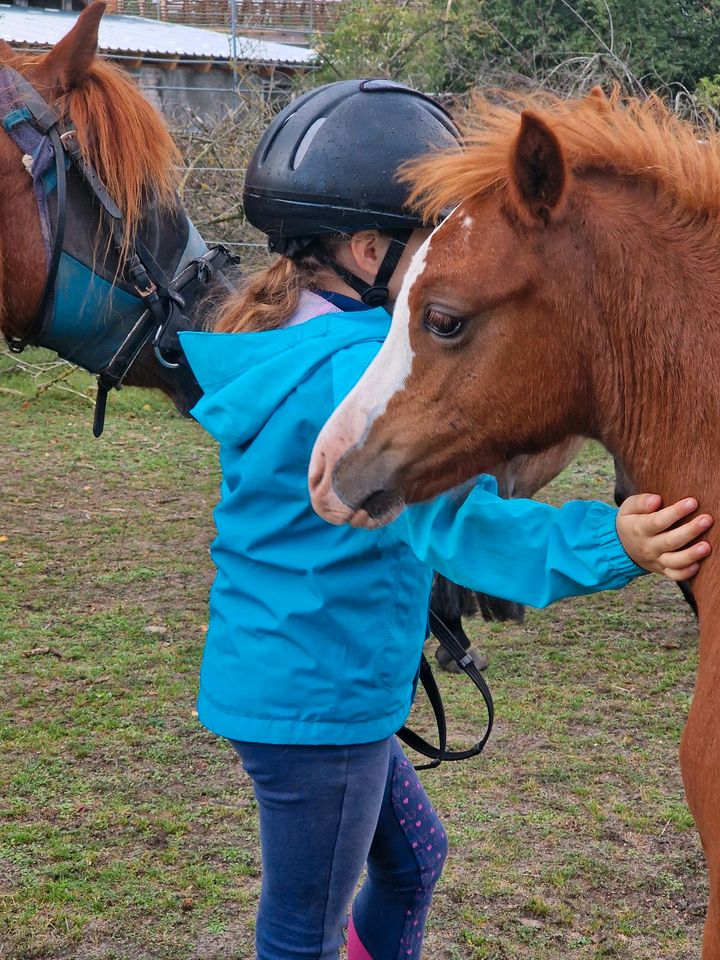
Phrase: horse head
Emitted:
{"points": [[118, 168]]}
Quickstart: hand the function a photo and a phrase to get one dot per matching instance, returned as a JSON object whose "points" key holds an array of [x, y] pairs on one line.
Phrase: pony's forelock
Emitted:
{"points": [[622, 135]]}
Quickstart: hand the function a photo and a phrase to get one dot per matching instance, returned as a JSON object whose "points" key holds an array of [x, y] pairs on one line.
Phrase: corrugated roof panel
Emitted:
{"points": [[123, 34]]}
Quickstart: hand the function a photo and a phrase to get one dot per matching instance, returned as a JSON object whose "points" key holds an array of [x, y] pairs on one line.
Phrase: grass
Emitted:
{"points": [[127, 831]]}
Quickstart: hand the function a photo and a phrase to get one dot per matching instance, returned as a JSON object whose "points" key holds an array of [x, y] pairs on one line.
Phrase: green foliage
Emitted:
{"points": [[441, 45], [431, 44], [659, 41], [708, 90]]}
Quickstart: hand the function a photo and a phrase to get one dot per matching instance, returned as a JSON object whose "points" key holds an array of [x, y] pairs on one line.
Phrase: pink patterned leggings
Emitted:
{"points": [[405, 861], [325, 813]]}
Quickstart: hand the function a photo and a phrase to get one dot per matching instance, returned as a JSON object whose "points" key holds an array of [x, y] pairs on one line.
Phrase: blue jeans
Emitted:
{"points": [[326, 812]]}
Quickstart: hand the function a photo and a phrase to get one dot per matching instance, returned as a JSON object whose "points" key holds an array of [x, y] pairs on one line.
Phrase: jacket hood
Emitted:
{"points": [[246, 376]]}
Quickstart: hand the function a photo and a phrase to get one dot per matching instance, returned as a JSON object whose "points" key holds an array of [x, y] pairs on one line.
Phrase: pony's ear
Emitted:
{"points": [[597, 99], [67, 64], [539, 173]]}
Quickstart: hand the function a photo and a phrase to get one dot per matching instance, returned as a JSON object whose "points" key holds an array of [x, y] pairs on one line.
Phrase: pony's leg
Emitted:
{"points": [[700, 764]]}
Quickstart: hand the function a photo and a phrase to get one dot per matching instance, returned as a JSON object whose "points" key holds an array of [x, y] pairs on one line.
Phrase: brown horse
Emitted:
{"points": [[121, 137], [575, 289]]}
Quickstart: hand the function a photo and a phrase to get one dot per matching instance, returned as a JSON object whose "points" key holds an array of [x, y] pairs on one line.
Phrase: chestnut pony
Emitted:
{"points": [[121, 137], [575, 289]]}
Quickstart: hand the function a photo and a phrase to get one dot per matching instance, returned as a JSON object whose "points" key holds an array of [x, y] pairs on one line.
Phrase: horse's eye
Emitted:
{"points": [[443, 324]]}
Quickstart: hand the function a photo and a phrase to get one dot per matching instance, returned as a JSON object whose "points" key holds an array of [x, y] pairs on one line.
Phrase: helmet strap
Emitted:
{"points": [[374, 294]]}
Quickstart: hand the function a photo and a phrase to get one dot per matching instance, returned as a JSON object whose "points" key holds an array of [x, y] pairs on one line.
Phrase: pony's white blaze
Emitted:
{"points": [[388, 372], [368, 400]]}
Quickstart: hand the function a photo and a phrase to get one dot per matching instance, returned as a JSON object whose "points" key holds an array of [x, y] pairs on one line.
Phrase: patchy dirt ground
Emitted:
{"points": [[127, 832]]}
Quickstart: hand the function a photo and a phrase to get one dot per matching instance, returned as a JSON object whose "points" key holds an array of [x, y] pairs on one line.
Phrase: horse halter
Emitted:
{"points": [[154, 305]]}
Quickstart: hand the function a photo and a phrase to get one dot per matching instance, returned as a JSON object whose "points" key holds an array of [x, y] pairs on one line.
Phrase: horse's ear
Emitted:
{"points": [[67, 64], [539, 173]]}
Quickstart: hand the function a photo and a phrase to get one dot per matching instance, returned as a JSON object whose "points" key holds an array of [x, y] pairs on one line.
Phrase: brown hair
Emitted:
{"points": [[120, 134], [268, 298]]}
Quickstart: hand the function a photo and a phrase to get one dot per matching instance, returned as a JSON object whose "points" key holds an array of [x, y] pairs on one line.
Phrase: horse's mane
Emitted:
{"points": [[621, 135], [122, 136]]}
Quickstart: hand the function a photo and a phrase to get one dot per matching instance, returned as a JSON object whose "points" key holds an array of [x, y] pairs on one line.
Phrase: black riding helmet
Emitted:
{"points": [[327, 164]]}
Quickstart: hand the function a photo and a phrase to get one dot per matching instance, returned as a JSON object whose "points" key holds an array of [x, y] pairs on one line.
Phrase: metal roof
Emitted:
{"points": [[25, 27]]}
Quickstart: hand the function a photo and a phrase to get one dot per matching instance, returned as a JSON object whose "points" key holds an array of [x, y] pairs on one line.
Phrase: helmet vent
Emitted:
{"points": [[378, 83], [307, 139]]}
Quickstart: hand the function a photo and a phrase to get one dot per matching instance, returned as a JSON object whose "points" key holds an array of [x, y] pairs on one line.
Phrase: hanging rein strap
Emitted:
{"points": [[437, 754], [201, 271]]}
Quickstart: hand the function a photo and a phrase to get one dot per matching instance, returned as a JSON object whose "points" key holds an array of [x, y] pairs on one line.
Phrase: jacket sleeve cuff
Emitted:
{"points": [[622, 567]]}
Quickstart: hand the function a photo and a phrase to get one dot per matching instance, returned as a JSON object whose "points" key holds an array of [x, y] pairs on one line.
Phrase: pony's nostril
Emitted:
{"points": [[381, 503]]}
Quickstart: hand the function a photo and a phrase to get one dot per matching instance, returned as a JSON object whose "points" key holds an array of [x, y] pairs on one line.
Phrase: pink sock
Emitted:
{"points": [[355, 949]]}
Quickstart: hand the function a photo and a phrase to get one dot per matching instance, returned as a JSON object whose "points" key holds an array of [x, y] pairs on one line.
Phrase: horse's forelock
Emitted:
{"points": [[120, 134], [124, 137]]}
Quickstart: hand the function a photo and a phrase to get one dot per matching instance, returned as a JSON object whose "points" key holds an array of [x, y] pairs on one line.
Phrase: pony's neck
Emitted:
{"points": [[654, 352], [655, 345]]}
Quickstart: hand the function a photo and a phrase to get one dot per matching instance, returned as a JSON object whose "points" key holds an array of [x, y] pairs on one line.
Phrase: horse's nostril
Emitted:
{"points": [[381, 503]]}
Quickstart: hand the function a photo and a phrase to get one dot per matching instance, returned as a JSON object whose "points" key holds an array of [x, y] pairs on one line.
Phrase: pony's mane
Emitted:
{"points": [[122, 136], [619, 135]]}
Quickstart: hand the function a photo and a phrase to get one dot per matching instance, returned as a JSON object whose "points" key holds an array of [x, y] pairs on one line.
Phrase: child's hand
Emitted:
{"points": [[644, 530]]}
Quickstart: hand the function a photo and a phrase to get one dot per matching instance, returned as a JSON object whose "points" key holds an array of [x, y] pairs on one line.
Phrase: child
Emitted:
{"points": [[316, 631]]}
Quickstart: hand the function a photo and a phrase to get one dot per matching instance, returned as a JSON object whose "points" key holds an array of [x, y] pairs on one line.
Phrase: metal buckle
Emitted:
{"points": [[148, 292]]}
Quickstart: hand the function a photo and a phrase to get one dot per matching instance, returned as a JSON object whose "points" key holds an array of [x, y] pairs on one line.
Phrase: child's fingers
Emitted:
{"points": [[665, 518], [680, 559], [685, 574], [674, 539], [641, 503]]}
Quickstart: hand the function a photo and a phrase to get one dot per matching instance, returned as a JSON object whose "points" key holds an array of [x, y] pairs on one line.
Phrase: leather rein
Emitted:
{"points": [[32, 118], [462, 658]]}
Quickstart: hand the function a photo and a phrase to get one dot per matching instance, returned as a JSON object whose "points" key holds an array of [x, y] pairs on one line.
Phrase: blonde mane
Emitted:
{"points": [[618, 135], [122, 136]]}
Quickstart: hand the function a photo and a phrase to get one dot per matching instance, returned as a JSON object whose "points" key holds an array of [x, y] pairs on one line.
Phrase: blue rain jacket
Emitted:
{"points": [[316, 631]]}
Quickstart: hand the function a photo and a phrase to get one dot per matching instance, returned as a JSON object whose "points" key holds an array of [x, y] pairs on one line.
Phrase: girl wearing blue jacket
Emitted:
{"points": [[316, 631]]}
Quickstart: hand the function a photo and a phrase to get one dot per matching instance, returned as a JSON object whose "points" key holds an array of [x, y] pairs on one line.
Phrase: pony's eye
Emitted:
{"points": [[443, 324]]}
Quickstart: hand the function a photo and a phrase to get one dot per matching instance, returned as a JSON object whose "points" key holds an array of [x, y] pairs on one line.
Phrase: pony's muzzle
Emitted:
{"points": [[367, 486], [354, 489]]}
